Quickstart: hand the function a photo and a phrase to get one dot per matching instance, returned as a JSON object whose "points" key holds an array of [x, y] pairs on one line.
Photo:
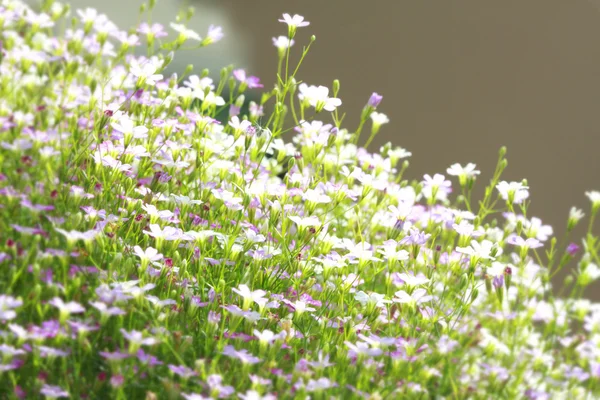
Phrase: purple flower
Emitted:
{"points": [[374, 100], [572, 249], [234, 110], [518, 241], [48, 329], [214, 317], [416, 237], [533, 394], [498, 281], [215, 33], [243, 355], [215, 383], [53, 392], [148, 359], [251, 81], [182, 371]]}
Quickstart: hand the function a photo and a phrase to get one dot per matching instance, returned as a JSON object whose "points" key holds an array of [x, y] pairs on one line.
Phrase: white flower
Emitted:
{"points": [[249, 296], [416, 297], [398, 153], [391, 253], [412, 280], [316, 196], [362, 251], [514, 192], [73, 236], [227, 197], [594, 197], [481, 250], [305, 222], [254, 395], [254, 237], [66, 308], [536, 229], [209, 99], [575, 215], [88, 15], [467, 171], [185, 33], [215, 33], [146, 72], [465, 228], [318, 97], [128, 128], [160, 303], [10, 350], [185, 199], [239, 126], [198, 84], [401, 211], [362, 348], [299, 306], [7, 306], [154, 213], [194, 396], [590, 273], [297, 21], [379, 118], [105, 310], [373, 299], [531, 243], [497, 269], [150, 254], [283, 42], [268, 337], [168, 233], [137, 339]]}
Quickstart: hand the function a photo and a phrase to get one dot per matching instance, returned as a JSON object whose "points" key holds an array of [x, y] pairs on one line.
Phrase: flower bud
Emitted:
{"points": [[507, 276], [374, 100]]}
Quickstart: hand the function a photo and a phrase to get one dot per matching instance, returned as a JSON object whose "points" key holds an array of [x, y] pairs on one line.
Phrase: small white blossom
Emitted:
{"points": [[465, 172], [379, 118], [305, 222], [318, 97], [481, 250], [145, 71], [283, 42], [594, 197], [374, 299], [297, 21], [514, 192], [185, 33]]}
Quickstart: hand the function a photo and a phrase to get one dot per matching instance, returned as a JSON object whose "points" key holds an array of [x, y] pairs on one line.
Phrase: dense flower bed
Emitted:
{"points": [[150, 251]]}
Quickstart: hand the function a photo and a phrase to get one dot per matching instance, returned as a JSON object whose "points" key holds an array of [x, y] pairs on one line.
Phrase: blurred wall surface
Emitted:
{"points": [[460, 78]]}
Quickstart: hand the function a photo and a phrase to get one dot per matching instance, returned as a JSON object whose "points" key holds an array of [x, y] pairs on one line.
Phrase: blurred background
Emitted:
{"points": [[459, 78]]}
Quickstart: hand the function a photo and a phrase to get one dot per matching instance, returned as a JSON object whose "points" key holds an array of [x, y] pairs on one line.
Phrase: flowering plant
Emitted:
{"points": [[150, 250]]}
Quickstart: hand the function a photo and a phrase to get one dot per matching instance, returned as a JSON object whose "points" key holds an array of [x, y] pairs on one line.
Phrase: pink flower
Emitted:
{"points": [[251, 81]]}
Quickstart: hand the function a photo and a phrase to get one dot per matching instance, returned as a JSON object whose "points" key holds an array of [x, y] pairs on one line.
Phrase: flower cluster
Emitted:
{"points": [[157, 241]]}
